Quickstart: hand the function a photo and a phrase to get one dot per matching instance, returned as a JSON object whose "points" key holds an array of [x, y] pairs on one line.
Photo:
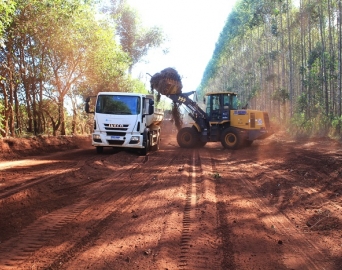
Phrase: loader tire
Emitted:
{"points": [[231, 138], [199, 143], [187, 137]]}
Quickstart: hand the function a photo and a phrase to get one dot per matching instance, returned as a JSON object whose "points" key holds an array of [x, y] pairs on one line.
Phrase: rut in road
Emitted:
{"points": [[17, 250], [199, 240], [61, 167], [298, 251]]}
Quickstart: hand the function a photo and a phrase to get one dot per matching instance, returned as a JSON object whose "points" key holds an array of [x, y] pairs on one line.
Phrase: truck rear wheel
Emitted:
{"points": [[231, 138], [187, 137], [157, 145]]}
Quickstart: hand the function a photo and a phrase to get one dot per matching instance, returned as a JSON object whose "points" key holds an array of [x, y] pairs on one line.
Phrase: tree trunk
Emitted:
{"points": [[339, 79], [290, 57]]}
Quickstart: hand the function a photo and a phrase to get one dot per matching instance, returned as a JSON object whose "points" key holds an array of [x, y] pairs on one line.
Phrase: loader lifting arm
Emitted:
{"points": [[195, 112]]}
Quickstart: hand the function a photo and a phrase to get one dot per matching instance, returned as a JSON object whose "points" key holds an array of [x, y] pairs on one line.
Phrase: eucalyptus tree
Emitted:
{"points": [[339, 68], [135, 39]]}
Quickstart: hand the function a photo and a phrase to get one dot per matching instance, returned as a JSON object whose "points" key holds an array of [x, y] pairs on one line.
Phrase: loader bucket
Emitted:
{"points": [[167, 82]]}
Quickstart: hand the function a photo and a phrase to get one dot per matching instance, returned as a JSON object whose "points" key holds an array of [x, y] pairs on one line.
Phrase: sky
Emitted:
{"points": [[192, 28]]}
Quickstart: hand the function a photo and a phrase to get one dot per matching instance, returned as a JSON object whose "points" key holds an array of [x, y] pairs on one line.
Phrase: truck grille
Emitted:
{"points": [[115, 133], [114, 142], [116, 127]]}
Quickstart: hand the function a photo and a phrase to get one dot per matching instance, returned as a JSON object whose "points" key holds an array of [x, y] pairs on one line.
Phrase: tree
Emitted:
{"points": [[52, 49], [135, 39], [7, 8]]}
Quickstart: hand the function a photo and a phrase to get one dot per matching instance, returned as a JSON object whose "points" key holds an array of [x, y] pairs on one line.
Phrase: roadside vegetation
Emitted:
{"points": [[55, 52], [280, 56], [283, 57]]}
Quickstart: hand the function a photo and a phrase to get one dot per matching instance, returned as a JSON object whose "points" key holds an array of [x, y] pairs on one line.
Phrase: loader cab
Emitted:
{"points": [[218, 105]]}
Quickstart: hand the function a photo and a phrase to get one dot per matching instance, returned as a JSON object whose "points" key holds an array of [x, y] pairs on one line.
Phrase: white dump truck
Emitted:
{"points": [[125, 120]]}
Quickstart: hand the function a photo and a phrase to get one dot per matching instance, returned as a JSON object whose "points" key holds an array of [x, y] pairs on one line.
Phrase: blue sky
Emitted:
{"points": [[192, 28]]}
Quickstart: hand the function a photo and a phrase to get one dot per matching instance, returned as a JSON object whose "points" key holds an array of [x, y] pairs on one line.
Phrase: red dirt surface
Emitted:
{"points": [[274, 205]]}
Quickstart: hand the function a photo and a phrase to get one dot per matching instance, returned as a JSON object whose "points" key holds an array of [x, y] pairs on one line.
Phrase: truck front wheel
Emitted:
{"points": [[146, 148], [187, 137], [231, 138], [99, 149]]}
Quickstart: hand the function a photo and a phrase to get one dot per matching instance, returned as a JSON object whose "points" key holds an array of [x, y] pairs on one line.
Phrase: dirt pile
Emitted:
{"points": [[168, 82], [14, 148]]}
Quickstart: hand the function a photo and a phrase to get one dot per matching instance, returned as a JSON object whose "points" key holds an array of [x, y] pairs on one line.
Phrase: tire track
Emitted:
{"points": [[114, 195], [15, 251], [300, 252], [33, 237], [10, 191], [199, 241], [120, 201]]}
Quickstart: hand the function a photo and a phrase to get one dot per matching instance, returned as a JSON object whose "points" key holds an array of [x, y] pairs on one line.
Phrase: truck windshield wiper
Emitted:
{"points": [[122, 112]]}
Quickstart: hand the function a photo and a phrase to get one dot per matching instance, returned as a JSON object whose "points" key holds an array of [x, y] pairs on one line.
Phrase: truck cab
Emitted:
{"points": [[125, 120]]}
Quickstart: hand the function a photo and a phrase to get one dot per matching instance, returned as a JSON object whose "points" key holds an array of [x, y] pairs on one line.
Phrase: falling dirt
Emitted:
{"points": [[276, 204]]}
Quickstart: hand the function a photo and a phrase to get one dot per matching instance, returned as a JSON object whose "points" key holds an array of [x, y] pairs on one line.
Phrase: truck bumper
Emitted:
{"points": [[128, 141]]}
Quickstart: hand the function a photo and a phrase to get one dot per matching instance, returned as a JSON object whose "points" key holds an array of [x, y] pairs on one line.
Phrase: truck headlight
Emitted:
{"points": [[135, 139], [96, 136]]}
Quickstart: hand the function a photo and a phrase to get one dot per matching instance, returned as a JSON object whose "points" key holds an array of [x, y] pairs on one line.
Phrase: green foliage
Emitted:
{"points": [[302, 126], [281, 95], [302, 103], [135, 39], [53, 49], [315, 55], [283, 59], [337, 122], [7, 8]]}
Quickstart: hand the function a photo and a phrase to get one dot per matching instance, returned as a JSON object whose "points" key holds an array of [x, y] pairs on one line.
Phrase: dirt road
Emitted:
{"points": [[274, 205]]}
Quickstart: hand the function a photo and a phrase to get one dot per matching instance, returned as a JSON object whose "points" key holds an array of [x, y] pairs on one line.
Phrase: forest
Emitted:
{"points": [[283, 57], [53, 53], [280, 56]]}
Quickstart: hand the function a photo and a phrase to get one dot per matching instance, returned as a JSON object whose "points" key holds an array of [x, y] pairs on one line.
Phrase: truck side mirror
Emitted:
{"points": [[151, 107], [87, 106]]}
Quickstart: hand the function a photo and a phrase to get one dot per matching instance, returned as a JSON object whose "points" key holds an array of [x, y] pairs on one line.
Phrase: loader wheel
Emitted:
{"points": [[201, 144], [187, 137], [248, 143], [231, 138]]}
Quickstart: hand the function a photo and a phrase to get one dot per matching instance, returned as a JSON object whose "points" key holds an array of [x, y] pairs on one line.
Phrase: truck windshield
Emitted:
{"points": [[117, 104]]}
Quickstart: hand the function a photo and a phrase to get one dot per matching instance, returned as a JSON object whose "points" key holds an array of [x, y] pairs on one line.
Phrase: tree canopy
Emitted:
{"points": [[285, 59], [53, 53]]}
